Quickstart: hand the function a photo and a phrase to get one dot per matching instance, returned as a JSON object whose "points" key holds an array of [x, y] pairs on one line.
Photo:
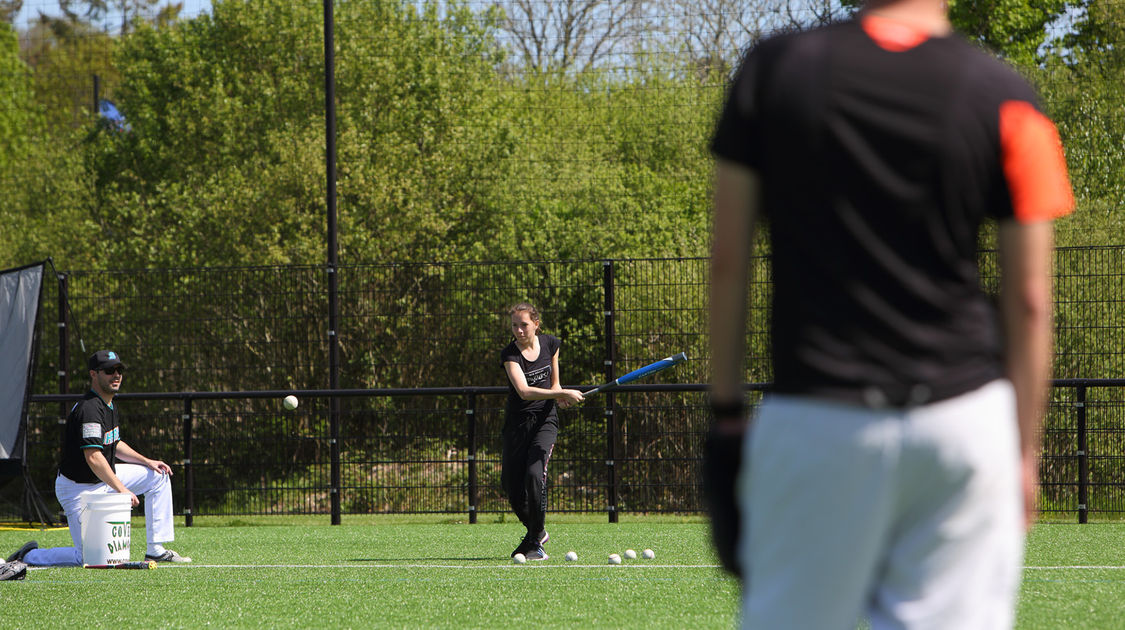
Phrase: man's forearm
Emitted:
{"points": [[736, 200], [1026, 305], [102, 470], [126, 453]]}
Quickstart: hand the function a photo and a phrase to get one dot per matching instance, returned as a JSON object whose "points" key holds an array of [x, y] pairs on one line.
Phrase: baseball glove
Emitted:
{"points": [[12, 571], [722, 459]]}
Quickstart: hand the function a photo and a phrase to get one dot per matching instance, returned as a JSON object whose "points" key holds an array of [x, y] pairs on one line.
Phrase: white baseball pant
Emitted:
{"points": [[140, 480], [911, 518]]}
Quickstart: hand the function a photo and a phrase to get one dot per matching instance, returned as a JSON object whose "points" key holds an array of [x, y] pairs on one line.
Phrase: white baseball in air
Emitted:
{"points": [[614, 558], [648, 554], [290, 402], [630, 554], [571, 556], [519, 558]]}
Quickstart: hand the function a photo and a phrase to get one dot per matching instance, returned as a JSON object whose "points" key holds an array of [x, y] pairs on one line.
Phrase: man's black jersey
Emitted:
{"points": [[90, 424], [881, 151]]}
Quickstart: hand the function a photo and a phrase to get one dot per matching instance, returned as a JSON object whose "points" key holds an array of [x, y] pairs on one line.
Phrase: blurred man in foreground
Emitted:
{"points": [[892, 471]]}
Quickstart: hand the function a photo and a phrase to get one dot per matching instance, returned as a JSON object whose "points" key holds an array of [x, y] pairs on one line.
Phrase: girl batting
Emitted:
{"points": [[531, 423]]}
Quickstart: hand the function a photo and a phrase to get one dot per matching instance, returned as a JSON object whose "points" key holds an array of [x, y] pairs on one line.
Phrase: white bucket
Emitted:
{"points": [[105, 527]]}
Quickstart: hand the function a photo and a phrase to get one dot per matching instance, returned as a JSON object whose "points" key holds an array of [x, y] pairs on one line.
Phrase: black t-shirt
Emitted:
{"points": [[537, 373], [878, 168], [90, 424]]}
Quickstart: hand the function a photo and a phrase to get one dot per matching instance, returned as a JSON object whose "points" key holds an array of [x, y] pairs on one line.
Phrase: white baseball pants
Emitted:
{"points": [[140, 480], [911, 518]]}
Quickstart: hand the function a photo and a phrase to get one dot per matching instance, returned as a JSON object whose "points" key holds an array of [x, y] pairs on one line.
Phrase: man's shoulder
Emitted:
{"points": [[789, 57], [796, 42], [90, 407], [89, 401], [985, 72]]}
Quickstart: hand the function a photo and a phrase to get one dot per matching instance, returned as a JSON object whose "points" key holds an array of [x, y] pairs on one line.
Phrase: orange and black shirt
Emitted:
{"points": [[881, 151]]}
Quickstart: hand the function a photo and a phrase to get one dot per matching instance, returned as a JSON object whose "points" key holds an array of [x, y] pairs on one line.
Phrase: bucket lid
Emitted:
{"points": [[109, 499]]}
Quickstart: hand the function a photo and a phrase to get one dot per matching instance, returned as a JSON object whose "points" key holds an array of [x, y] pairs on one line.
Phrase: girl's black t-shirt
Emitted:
{"points": [[537, 373]]}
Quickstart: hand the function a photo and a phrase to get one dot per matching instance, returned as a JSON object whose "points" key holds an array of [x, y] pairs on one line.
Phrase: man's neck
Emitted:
{"points": [[107, 397], [926, 15]]}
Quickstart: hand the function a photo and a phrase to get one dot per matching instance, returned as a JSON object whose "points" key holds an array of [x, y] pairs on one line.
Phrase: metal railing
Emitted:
{"points": [[221, 342], [1081, 472]]}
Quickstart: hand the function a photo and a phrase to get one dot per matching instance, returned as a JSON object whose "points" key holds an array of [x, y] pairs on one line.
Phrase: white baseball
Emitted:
{"points": [[630, 554], [571, 556], [614, 558], [519, 558], [290, 402], [648, 554]]}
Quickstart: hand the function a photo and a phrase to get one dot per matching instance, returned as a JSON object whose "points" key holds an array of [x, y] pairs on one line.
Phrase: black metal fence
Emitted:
{"points": [[419, 427], [413, 450]]}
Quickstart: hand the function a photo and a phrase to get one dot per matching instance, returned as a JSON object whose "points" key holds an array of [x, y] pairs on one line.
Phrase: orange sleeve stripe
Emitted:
{"points": [[1033, 163], [891, 35]]}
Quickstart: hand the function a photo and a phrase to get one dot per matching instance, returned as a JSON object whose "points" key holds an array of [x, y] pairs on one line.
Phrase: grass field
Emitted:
{"points": [[428, 572]]}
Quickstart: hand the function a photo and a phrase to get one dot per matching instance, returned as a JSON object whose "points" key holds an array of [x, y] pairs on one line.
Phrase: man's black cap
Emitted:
{"points": [[104, 359]]}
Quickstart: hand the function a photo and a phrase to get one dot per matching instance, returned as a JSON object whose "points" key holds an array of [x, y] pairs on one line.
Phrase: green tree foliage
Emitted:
{"points": [[1082, 88], [421, 131], [1014, 28], [226, 160], [444, 152], [626, 165], [221, 161], [41, 177], [66, 55], [16, 104], [439, 157]]}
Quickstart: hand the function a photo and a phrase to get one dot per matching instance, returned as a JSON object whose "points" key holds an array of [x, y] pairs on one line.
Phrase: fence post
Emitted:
{"points": [[333, 250], [189, 476], [64, 358], [334, 455], [1083, 457], [471, 417], [611, 419]]}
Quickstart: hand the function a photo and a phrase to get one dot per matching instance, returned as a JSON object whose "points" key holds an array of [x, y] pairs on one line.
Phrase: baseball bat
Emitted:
{"points": [[140, 564], [651, 368]]}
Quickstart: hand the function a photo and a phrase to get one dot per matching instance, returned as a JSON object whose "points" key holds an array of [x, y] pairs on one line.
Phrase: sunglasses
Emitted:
{"points": [[120, 369]]}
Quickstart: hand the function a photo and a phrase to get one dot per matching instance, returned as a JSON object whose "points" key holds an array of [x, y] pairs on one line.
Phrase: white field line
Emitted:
{"points": [[537, 565], [438, 566], [1078, 567]]}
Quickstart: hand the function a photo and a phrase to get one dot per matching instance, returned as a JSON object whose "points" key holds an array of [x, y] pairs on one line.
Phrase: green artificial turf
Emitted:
{"points": [[434, 572], [396, 574], [1074, 578]]}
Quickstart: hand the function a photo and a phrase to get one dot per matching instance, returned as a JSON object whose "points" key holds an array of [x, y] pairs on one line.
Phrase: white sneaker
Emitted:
{"points": [[167, 556]]}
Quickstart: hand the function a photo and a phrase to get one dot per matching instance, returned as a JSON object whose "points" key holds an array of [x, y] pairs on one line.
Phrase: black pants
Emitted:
{"points": [[527, 449]]}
